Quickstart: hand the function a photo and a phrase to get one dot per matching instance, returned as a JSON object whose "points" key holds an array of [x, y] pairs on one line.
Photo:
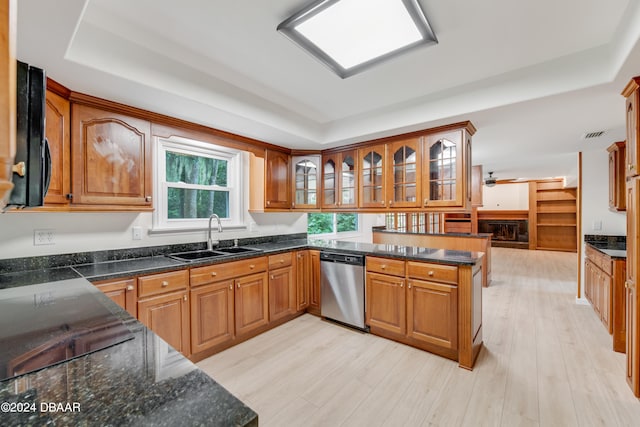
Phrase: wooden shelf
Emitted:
{"points": [[555, 225], [553, 216]]}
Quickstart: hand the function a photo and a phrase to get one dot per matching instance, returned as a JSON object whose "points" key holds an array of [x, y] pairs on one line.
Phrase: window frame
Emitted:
{"points": [[234, 186]]}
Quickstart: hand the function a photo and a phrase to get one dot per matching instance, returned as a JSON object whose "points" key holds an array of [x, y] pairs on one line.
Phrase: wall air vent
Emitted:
{"points": [[596, 134]]}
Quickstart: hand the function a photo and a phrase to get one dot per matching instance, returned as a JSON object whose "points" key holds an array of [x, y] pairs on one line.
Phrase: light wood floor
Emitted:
{"points": [[546, 362]]}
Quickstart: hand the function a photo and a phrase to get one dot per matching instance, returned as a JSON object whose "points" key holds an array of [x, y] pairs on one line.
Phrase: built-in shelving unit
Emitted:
{"points": [[552, 216]]}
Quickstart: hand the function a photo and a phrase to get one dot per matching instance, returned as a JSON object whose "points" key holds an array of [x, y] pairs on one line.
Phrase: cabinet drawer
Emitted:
{"points": [[162, 283], [393, 267], [280, 260], [227, 270], [433, 272]]}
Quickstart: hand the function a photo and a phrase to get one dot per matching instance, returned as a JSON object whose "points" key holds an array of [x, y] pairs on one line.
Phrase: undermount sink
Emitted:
{"points": [[196, 255], [237, 250]]}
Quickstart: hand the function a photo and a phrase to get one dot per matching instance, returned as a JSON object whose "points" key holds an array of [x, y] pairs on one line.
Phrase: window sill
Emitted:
{"points": [[176, 230]]}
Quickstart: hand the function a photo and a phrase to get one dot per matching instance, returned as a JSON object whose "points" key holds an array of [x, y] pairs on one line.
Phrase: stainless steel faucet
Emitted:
{"points": [[210, 241]]}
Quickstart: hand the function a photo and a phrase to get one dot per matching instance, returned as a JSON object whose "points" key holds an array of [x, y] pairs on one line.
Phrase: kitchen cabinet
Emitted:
{"points": [[163, 307], [57, 131], [385, 296], [212, 315], [303, 279], [632, 94], [477, 187], [227, 300], [282, 287], [314, 284], [446, 175], [306, 179], [631, 288], [372, 162], [8, 29], [404, 172], [122, 292], [277, 188], [111, 165], [435, 307], [617, 181], [340, 180]]}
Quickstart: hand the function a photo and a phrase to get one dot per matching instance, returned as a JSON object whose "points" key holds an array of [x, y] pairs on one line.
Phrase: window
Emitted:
{"points": [[330, 223], [194, 180], [415, 222]]}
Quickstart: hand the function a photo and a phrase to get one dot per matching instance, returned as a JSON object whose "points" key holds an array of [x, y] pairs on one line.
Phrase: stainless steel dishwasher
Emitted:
{"points": [[342, 288]]}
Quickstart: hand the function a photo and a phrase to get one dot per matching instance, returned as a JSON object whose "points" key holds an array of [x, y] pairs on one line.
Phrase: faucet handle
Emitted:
{"points": [[235, 242]]}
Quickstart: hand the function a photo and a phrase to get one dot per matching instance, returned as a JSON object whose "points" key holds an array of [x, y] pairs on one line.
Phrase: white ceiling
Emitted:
{"points": [[532, 76]]}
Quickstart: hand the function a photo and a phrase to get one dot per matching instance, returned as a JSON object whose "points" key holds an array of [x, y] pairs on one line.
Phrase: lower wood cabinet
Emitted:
{"points": [[314, 285], [432, 313], [212, 315], [604, 289], [168, 316], [251, 303], [435, 307], [282, 293], [385, 303], [122, 292]]}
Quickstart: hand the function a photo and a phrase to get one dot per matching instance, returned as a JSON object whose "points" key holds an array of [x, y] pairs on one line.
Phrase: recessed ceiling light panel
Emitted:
{"points": [[350, 36]]}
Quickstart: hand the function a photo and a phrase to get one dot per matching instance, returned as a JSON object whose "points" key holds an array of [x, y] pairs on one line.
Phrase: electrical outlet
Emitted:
{"points": [[44, 237], [136, 233], [597, 225]]}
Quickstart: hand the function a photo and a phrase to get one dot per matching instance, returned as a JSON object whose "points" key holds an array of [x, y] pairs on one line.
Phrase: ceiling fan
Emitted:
{"points": [[490, 181]]}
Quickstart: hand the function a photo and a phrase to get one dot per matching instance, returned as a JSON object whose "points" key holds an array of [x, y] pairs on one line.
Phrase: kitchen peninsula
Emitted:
{"points": [[150, 378]]}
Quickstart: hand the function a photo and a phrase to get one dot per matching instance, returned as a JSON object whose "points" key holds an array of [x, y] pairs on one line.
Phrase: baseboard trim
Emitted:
{"points": [[582, 301]]}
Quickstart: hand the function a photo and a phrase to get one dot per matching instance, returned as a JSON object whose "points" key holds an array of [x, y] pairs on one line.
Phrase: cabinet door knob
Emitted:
{"points": [[402, 285], [268, 202], [273, 277], [430, 273], [426, 201], [148, 198], [184, 297], [409, 286], [281, 261], [130, 287], [383, 266], [252, 266], [390, 202], [214, 274], [164, 284], [230, 287], [238, 285]]}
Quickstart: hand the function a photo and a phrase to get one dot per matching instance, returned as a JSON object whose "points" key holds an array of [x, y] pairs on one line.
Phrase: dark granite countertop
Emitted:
{"points": [[142, 381], [613, 246]]}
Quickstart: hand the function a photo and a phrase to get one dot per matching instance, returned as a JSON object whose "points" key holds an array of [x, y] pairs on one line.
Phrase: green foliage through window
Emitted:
{"points": [[324, 223]]}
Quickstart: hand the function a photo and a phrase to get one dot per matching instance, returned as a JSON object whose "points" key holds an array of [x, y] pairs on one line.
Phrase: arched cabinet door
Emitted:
{"points": [[404, 172], [111, 158], [306, 179], [372, 162], [330, 180], [277, 181], [340, 180], [446, 176]]}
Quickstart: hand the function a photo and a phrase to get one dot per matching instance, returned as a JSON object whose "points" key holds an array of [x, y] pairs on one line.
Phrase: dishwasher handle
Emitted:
{"points": [[341, 258]]}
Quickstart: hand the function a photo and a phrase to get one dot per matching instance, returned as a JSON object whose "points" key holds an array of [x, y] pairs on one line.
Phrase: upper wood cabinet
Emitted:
{"points": [[447, 170], [277, 188], [632, 93], [404, 172], [111, 158], [617, 191], [306, 179], [372, 162], [476, 186], [340, 180], [58, 127]]}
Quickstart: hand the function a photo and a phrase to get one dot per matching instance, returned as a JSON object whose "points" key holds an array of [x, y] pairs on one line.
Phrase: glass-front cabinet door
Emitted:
{"points": [[305, 174], [405, 173], [446, 170], [330, 180], [372, 173], [348, 180]]}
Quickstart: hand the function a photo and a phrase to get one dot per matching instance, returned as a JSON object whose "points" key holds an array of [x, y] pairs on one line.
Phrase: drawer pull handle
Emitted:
{"points": [[409, 286], [238, 285], [430, 273], [273, 277], [164, 284], [214, 274], [402, 285], [252, 266], [230, 287], [383, 266], [281, 261], [130, 287]]}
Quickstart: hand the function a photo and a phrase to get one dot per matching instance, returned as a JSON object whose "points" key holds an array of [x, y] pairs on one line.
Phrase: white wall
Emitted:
{"points": [[79, 232], [506, 197]]}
